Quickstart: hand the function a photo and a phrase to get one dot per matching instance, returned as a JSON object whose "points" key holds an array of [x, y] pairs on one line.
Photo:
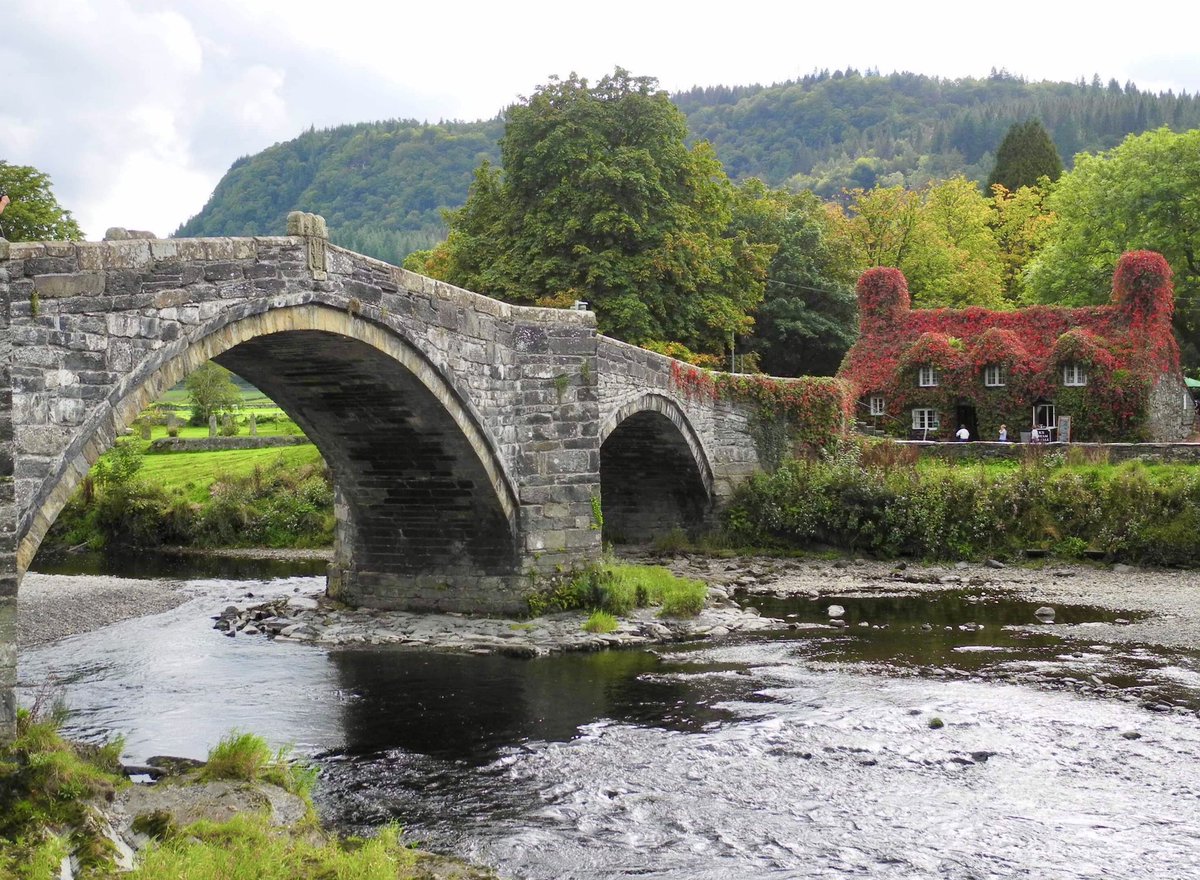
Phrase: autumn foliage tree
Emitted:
{"points": [[940, 237]]}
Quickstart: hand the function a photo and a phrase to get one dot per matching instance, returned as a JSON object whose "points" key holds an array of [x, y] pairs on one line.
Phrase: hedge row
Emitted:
{"points": [[947, 512]]}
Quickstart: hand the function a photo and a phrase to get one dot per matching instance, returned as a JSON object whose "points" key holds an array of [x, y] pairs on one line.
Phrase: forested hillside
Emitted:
{"points": [[381, 186]]}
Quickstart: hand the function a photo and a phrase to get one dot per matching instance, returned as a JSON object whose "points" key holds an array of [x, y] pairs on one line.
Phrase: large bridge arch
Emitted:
{"points": [[423, 496], [655, 474]]}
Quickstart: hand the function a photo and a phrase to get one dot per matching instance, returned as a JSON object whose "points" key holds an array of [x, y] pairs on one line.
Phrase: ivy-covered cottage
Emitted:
{"points": [[1105, 373]]}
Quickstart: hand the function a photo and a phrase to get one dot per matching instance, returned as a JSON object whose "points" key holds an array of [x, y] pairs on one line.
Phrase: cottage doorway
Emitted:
{"points": [[964, 414], [1045, 423]]}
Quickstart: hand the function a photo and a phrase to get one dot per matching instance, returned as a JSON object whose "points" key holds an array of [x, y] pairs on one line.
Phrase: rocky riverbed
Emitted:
{"points": [[315, 620], [1164, 605]]}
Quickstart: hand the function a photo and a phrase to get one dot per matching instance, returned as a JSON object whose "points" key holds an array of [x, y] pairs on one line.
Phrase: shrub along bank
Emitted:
{"points": [[881, 505]]}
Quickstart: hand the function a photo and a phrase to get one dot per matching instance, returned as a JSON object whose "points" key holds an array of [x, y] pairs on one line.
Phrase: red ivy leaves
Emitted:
{"points": [[1126, 347], [816, 409]]}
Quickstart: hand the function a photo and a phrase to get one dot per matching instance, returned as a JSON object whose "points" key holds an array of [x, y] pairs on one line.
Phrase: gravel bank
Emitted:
{"points": [[52, 607]]}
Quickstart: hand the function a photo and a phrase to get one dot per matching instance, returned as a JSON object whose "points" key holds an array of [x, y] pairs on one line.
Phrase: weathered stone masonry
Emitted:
{"points": [[470, 440]]}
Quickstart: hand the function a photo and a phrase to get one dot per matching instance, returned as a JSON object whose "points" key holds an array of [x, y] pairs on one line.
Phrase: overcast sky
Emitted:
{"points": [[137, 107]]}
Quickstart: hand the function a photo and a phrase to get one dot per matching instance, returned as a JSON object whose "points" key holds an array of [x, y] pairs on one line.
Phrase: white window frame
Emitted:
{"points": [[878, 405], [993, 376], [925, 419], [1074, 375], [927, 376]]}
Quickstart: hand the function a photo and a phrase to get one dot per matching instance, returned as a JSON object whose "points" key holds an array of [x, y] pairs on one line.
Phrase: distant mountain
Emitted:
{"points": [[382, 186]]}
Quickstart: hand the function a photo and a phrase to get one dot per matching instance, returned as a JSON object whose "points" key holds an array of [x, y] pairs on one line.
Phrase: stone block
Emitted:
{"points": [[128, 255], [69, 284]]}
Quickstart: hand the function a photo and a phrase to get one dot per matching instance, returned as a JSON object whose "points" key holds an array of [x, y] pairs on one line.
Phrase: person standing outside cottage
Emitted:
{"points": [[962, 433], [1003, 433], [4, 200]]}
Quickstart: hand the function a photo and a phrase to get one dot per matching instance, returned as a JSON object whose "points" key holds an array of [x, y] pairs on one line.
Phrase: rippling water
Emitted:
{"points": [[807, 755]]}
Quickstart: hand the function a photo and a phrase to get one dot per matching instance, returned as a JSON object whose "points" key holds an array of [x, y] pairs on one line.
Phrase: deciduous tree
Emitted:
{"points": [[939, 237], [211, 392], [34, 213], [600, 199], [807, 318], [1141, 195]]}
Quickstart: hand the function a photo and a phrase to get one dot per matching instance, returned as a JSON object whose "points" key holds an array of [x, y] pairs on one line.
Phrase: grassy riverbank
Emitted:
{"points": [[873, 500], [57, 797], [237, 498]]}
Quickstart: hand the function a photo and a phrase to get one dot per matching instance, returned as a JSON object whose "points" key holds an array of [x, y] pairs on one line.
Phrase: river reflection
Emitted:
{"points": [[785, 755]]}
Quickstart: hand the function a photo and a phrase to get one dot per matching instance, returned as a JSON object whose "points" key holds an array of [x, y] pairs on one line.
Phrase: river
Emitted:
{"points": [[904, 751]]}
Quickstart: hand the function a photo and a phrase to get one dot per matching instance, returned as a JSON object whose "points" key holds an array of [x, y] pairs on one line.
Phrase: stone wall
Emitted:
{"points": [[8, 518], [217, 444], [1151, 453]]}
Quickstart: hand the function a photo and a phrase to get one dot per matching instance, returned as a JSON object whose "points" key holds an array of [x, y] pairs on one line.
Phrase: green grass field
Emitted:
{"points": [[193, 473]]}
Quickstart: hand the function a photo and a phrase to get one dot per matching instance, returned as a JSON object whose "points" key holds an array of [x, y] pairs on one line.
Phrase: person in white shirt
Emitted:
{"points": [[962, 433]]}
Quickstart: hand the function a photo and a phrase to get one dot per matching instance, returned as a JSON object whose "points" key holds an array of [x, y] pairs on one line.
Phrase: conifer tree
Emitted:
{"points": [[1025, 154]]}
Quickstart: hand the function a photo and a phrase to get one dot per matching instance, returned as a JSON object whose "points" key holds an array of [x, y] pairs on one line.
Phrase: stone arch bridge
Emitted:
{"points": [[469, 439]]}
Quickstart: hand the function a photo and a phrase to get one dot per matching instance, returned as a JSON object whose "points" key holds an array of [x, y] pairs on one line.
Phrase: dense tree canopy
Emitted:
{"points": [[381, 186], [34, 213], [600, 199], [1141, 195], [1025, 156], [940, 237], [807, 317]]}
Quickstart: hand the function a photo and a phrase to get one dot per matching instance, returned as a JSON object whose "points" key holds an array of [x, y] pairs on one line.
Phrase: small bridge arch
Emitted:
{"points": [[655, 473]]}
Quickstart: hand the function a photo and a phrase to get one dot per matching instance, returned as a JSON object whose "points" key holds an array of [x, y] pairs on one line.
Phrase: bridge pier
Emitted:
{"points": [[8, 518]]}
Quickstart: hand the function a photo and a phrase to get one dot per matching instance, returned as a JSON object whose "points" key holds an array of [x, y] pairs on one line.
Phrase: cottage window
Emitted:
{"points": [[993, 376], [925, 420], [927, 376], [1074, 375], [878, 407]]}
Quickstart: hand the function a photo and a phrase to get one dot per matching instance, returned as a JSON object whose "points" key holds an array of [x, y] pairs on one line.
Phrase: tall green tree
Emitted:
{"points": [[211, 391], [807, 319], [1142, 194], [34, 214], [1025, 156], [599, 198]]}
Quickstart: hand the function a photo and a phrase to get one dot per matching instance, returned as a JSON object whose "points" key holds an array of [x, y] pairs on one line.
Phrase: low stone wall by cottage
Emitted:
{"points": [[222, 444], [1151, 453]]}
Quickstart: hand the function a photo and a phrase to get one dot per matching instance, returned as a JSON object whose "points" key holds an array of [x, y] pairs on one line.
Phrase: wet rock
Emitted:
{"points": [[994, 563], [1045, 614], [838, 623], [835, 611]]}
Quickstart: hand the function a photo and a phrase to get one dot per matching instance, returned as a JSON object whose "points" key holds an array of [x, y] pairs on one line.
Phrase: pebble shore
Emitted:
{"points": [[53, 607]]}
